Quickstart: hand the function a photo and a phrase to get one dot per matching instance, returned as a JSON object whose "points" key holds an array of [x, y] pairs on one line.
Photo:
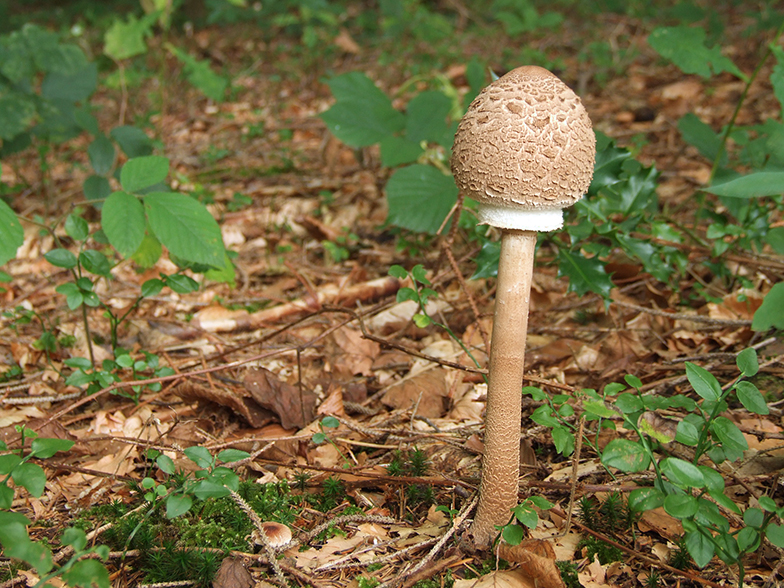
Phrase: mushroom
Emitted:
{"points": [[524, 151]]}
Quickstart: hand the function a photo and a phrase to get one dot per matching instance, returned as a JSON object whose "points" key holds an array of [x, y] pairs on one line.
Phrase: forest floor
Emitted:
{"points": [[305, 334]]}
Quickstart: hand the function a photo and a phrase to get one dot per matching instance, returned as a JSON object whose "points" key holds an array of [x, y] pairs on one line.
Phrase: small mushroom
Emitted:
{"points": [[524, 151], [277, 534]]}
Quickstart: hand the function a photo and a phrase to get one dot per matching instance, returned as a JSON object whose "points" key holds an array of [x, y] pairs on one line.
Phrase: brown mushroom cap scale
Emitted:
{"points": [[524, 150]]}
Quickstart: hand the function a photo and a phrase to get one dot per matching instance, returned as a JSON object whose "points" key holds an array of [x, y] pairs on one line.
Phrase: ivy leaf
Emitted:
{"points": [[126, 39], [585, 275]]}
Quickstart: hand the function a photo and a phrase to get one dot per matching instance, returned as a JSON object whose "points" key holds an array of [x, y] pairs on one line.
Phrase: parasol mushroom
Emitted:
{"points": [[524, 151]]}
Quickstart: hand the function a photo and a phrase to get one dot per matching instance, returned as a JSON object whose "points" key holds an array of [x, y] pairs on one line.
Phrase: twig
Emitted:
{"points": [[272, 559], [682, 316], [575, 465], [457, 522]]}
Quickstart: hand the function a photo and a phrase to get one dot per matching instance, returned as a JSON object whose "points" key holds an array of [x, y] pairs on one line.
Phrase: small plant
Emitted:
{"points": [[16, 466], [525, 514], [680, 486]]}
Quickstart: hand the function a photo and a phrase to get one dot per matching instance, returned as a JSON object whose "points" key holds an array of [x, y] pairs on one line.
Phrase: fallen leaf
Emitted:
{"points": [[294, 407], [536, 558], [233, 574], [345, 42], [425, 394], [499, 579], [359, 353], [239, 402]]}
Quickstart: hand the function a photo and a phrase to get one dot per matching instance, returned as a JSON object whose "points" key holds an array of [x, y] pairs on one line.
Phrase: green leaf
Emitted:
{"points": [[680, 506], [700, 135], [11, 233], [143, 172], [703, 382], [126, 39], [775, 534], [526, 515], [149, 252], [682, 473], [751, 398], [426, 116], [729, 434], [753, 185], [76, 227], [232, 455], [512, 534], [74, 537], [644, 499], [133, 141], [152, 287], [699, 547], [95, 262], [330, 422], [200, 456], [16, 544], [76, 86], [769, 314], [747, 362], [540, 502], [185, 227], [419, 198], [123, 221], [563, 439], [398, 151], [61, 258], [775, 238], [101, 153], [200, 75], [166, 464], [685, 47], [182, 284], [687, 434], [599, 408], [205, 489], [585, 275], [96, 188], [777, 74], [44, 447], [17, 113], [363, 114], [177, 505], [626, 456], [87, 573], [628, 403], [8, 462]]}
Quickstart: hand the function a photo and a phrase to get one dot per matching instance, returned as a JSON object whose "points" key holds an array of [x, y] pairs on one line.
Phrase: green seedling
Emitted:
{"points": [[329, 422], [14, 538]]}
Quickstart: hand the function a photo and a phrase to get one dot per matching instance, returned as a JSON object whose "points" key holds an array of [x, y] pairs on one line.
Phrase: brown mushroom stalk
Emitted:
{"points": [[525, 151]]}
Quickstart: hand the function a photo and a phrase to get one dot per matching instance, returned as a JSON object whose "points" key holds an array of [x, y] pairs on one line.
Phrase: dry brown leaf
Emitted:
{"points": [[425, 391], [499, 579], [359, 353], [536, 559], [294, 407], [233, 574], [238, 402], [345, 42], [659, 521]]}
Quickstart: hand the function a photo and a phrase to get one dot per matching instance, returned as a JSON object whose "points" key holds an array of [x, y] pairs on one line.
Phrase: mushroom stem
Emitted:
{"points": [[501, 462]]}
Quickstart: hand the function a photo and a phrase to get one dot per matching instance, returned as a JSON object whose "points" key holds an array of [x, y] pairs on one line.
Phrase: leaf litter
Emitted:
{"points": [[262, 377]]}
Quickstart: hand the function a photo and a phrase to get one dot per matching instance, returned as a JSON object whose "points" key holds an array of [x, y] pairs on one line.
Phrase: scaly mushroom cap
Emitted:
{"points": [[524, 150]]}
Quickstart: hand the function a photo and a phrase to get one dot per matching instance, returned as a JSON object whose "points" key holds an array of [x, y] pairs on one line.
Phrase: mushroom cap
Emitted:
{"points": [[525, 150], [277, 534]]}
